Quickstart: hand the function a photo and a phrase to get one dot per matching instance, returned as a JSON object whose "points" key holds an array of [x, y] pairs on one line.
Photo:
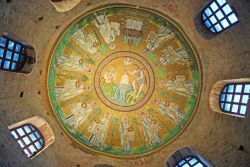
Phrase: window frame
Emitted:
{"points": [[225, 16], [26, 134], [242, 93], [19, 63], [187, 161], [185, 152]]}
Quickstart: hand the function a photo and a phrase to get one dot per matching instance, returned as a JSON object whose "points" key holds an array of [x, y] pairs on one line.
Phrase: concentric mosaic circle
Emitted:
{"points": [[125, 86], [123, 81]]}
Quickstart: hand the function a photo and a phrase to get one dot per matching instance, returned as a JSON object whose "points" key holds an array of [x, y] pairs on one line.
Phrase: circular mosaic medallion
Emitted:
{"points": [[123, 81], [125, 86]]}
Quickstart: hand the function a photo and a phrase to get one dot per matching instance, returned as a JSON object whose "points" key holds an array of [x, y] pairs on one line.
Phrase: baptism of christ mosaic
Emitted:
{"points": [[123, 81]]}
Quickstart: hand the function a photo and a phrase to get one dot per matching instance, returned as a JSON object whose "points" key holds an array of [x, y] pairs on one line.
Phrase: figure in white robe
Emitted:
{"points": [[109, 86], [150, 130], [88, 42], [126, 135], [108, 30], [180, 86], [99, 130], [171, 111], [110, 75], [60, 59], [171, 56], [80, 112], [155, 39], [155, 127], [71, 89], [75, 63]]}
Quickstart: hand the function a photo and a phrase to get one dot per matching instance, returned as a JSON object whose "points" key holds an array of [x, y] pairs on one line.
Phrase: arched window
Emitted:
{"points": [[234, 98], [29, 139], [15, 55], [219, 16], [64, 5], [32, 135], [12, 54], [231, 97], [186, 157]]}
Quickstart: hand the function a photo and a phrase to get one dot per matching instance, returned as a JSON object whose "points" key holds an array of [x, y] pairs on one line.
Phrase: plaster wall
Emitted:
{"points": [[215, 136]]}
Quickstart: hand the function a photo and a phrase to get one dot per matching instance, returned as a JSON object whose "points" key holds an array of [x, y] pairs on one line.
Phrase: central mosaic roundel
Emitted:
{"points": [[123, 81]]}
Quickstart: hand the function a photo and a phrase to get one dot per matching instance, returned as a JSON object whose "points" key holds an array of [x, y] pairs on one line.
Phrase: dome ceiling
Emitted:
{"points": [[123, 81]]}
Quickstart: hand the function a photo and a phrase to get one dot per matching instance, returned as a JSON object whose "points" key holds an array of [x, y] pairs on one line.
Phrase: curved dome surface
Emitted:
{"points": [[123, 81]]}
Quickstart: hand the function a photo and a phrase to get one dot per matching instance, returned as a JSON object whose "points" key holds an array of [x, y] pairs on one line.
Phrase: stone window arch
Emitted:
{"points": [[186, 157], [231, 97], [218, 16], [64, 5], [16, 55], [32, 135]]}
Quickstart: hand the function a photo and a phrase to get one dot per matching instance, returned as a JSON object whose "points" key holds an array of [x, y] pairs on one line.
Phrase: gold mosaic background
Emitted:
{"points": [[123, 81]]}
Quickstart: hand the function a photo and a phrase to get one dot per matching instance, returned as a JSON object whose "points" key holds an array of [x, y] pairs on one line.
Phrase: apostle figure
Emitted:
{"points": [[155, 39], [80, 112], [87, 41], [171, 56], [126, 135], [71, 89], [99, 130], [60, 59], [155, 127], [75, 63], [181, 86], [108, 30], [150, 129], [171, 111]]}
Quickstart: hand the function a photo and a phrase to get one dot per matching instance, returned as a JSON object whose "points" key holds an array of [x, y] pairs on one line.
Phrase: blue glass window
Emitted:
{"points": [[10, 54], [6, 64], [234, 98], [16, 57], [2, 42], [29, 139], [1, 52], [190, 162], [11, 45], [13, 66], [20, 143], [18, 48], [218, 16]]}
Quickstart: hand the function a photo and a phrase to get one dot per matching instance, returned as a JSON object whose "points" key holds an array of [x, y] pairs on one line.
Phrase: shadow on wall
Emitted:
{"points": [[200, 27]]}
